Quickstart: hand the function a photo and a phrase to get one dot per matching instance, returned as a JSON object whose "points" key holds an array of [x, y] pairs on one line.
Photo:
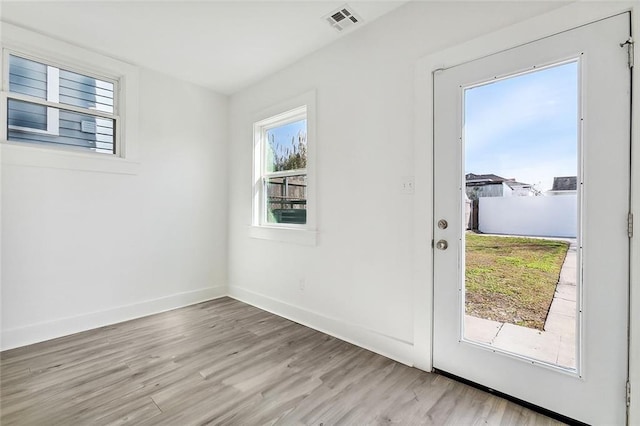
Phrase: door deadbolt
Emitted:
{"points": [[443, 224], [442, 245]]}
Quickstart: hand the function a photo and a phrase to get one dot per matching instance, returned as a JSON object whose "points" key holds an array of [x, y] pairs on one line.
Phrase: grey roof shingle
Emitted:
{"points": [[564, 183]]}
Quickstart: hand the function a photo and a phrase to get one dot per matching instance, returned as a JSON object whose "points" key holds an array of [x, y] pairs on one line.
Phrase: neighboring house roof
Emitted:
{"points": [[483, 179], [491, 179], [565, 183], [490, 185], [513, 184]]}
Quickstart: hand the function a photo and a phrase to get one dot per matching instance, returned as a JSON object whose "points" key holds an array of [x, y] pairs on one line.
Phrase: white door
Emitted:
{"points": [[539, 136]]}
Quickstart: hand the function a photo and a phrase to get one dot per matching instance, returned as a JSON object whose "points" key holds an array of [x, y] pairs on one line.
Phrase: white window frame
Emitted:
{"points": [[50, 51], [262, 128], [53, 100], [296, 109]]}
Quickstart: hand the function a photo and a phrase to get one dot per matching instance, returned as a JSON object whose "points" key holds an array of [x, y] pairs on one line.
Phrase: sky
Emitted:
{"points": [[524, 127]]}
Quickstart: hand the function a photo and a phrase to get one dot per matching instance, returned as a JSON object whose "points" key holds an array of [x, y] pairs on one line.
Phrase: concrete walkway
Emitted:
{"points": [[556, 344]]}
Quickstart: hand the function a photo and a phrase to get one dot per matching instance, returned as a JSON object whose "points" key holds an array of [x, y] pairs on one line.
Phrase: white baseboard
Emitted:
{"points": [[387, 346], [35, 333], [384, 345]]}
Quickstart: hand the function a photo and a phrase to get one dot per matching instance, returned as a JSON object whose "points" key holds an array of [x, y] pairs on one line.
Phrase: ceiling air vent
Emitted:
{"points": [[343, 18]]}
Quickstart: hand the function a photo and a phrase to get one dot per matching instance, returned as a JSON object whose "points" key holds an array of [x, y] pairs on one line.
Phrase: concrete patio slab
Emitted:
{"points": [[566, 292], [563, 307], [532, 343], [567, 352], [480, 330], [563, 325], [569, 269]]}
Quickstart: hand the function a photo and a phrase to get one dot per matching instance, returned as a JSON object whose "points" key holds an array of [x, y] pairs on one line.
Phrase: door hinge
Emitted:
{"points": [[628, 393], [629, 44], [630, 225]]}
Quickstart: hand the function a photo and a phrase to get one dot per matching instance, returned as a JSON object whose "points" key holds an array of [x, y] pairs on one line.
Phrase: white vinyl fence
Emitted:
{"points": [[555, 216]]}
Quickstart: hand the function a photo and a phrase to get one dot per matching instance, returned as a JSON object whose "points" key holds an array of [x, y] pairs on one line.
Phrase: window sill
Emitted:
{"points": [[285, 235], [33, 156]]}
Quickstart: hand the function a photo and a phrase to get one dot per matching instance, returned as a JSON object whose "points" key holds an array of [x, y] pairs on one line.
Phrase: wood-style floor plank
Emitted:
{"points": [[225, 362]]}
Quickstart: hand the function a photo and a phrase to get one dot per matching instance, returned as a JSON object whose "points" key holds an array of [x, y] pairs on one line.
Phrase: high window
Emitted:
{"points": [[50, 105], [281, 166]]}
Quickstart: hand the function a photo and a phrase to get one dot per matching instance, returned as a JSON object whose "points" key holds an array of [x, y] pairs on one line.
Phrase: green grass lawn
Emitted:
{"points": [[512, 279]]}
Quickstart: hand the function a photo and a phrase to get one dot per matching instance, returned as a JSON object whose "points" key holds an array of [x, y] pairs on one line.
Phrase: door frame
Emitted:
{"points": [[554, 22]]}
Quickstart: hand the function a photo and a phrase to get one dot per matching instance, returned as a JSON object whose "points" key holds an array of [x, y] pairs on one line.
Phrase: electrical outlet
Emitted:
{"points": [[302, 284], [408, 184]]}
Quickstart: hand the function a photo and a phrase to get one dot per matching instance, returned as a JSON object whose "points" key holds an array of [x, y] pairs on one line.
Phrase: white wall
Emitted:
{"points": [[359, 278], [83, 249], [535, 216]]}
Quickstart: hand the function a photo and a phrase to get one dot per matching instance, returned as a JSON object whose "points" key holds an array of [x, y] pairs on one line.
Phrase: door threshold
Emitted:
{"points": [[530, 406]]}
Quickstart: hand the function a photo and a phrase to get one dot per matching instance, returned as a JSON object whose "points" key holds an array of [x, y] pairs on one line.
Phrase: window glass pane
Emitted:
{"points": [[27, 77], [85, 92], [30, 78], [24, 114], [287, 147], [287, 199], [74, 129]]}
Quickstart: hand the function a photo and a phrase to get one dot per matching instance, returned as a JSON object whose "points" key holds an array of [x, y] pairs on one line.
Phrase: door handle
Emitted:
{"points": [[442, 245]]}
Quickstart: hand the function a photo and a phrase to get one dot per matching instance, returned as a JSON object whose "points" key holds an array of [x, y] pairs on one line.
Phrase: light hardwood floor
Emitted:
{"points": [[225, 362]]}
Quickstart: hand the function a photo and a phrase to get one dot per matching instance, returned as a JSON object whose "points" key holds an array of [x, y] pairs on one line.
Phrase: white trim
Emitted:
{"points": [[35, 333], [31, 155], [291, 110], [372, 340], [285, 173], [559, 20], [50, 104], [633, 413], [283, 234], [58, 53], [284, 118]]}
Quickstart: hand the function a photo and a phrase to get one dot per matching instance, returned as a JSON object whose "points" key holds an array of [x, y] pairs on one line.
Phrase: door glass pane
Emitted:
{"points": [[521, 216]]}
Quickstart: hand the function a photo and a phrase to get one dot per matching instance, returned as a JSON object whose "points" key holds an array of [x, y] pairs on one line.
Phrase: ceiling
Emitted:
{"points": [[223, 45]]}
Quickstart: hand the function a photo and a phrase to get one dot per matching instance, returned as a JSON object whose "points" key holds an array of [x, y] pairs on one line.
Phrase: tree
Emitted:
{"points": [[289, 158]]}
